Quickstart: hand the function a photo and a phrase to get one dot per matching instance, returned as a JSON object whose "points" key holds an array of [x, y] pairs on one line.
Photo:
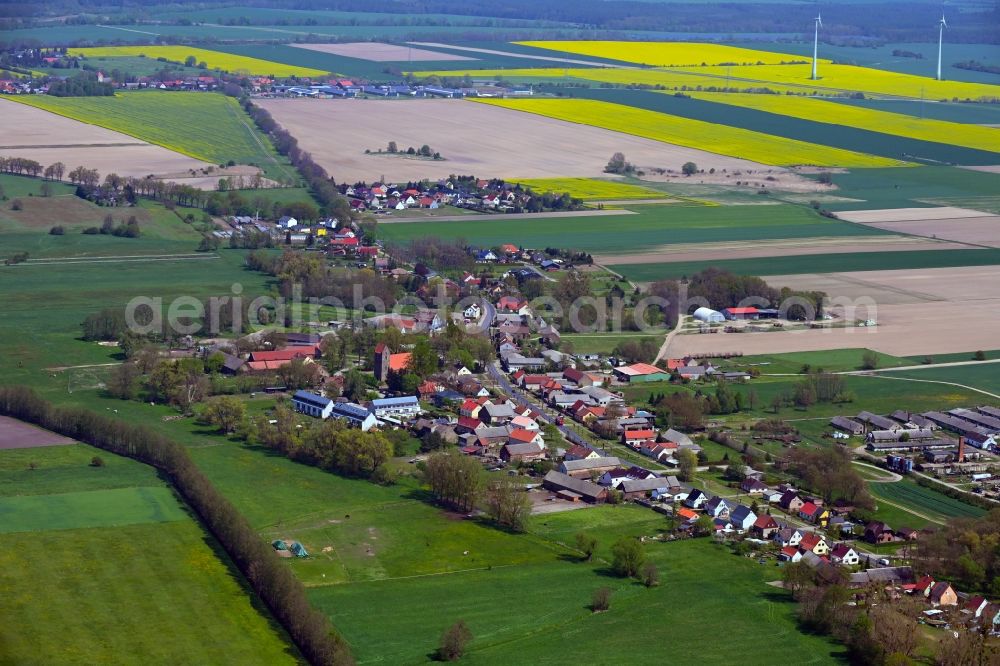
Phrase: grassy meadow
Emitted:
{"points": [[87, 542], [206, 126], [691, 133]]}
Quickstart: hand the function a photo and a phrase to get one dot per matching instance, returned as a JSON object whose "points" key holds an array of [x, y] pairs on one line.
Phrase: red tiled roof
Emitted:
{"points": [[399, 362], [469, 422], [764, 522], [522, 435], [640, 434], [286, 354]]}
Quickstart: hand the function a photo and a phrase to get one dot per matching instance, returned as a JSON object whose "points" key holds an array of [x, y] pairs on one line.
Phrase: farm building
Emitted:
{"points": [[640, 372], [845, 424], [573, 489], [891, 446], [709, 316], [584, 467], [312, 404]]}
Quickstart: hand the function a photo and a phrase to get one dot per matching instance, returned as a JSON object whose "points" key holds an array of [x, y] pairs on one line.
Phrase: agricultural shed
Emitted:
{"points": [[709, 316]]}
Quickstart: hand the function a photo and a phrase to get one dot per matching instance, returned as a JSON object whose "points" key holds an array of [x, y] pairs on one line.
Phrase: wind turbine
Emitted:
{"points": [[941, 26], [819, 24]]}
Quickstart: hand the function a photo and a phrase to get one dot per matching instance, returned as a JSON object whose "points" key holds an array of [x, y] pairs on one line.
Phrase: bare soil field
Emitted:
{"points": [[983, 230], [909, 214], [775, 248], [16, 434], [918, 312], [379, 52], [751, 180], [993, 168], [478, 139], [36, 134]]}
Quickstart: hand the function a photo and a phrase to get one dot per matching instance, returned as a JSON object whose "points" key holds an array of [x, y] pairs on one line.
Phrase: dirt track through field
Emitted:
{"points": [[478, 139], [16, 434], [512, 54]]}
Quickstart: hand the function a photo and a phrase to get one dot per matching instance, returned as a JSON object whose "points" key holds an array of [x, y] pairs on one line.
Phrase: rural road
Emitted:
{"points": [[893, 477], [666, 341], [525, 56]]}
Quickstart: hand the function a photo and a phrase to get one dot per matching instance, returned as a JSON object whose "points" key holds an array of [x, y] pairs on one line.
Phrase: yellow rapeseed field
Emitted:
{"points": [[860, 79], [711, 137], [214, 59], [668, 54], [592, 189], [897, 124], [670, 79]]}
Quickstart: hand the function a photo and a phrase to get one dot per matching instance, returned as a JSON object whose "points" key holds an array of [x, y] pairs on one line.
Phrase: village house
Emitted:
{"points": [[522, 451], [742, 518], [842, 553], [943, 594], [814, 543], [764, 526]]}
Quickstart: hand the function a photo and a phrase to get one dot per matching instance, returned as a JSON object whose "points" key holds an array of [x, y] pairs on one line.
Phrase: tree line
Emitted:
{"points": [[270, 579], [458, 481]]}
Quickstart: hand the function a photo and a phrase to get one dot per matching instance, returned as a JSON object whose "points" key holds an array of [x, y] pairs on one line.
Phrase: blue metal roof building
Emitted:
{"points": [[312, 404], [355, 414]]}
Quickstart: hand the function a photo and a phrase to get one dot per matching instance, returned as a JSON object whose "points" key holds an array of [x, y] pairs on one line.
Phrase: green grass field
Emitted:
{"points": [[206, 126], [86, 542], [152, 593], [90, 508], [827, 263], [162, 231], [648, 227], [924, 501], [984, 377], [926, 186], [833, 360], [400, 620], [602, 343]]}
